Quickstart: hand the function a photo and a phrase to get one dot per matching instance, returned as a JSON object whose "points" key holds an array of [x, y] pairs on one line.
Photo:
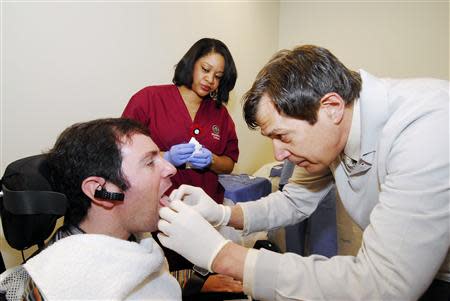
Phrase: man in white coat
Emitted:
{"points": [[384, 142]]}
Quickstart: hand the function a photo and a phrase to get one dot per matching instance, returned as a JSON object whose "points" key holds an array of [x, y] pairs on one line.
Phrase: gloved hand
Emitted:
{"points": [[201, 159], [216, 214], [186, 232], [179, 153]]}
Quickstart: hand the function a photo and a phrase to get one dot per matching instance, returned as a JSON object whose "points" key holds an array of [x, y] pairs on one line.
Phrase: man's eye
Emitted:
{"points": [[284, 138], [205, 70], [150, 163]]}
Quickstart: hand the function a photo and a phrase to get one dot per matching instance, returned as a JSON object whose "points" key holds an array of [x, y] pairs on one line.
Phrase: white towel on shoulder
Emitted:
{"points": [[93, 266]]}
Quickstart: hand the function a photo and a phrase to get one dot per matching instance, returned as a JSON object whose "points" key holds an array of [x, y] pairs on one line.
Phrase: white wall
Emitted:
{"points": [[75, 61], [385, 38]]}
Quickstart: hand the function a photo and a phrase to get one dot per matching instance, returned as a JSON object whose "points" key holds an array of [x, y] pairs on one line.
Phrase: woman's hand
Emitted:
{"points": [[201, 159], [179, 153]]}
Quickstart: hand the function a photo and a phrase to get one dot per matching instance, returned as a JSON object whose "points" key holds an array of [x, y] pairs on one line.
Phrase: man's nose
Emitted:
{"points": [[279, 152], [168, 169]]}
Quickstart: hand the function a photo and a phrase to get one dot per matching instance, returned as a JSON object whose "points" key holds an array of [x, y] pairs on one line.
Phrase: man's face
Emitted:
{"points": [[312, 147], [148, 175]]}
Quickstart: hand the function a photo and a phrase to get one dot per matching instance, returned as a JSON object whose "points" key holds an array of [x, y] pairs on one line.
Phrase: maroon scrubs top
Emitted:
{"points": [[162, 110]]}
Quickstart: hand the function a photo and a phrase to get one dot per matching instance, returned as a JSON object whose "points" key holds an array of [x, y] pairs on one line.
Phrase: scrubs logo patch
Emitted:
{"points": [[215, 129], [215, 132]]}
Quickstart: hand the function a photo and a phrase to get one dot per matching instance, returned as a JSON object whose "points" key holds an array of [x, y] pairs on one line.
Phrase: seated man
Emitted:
{"points": [[114, 179]]}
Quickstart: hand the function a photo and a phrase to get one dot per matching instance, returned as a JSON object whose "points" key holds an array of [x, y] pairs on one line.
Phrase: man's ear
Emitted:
{"points": [[333, 106], [89, 185]]}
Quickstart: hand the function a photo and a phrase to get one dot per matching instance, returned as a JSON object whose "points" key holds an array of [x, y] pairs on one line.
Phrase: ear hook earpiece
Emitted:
{"points": [[102, 193]]}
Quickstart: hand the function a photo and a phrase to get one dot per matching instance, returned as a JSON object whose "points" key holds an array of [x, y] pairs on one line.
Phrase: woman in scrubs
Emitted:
{"points": [[193, 107]]}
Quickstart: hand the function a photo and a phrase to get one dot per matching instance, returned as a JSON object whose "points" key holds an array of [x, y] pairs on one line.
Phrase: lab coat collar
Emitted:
{"points": [[353, 147], [374, 113]]}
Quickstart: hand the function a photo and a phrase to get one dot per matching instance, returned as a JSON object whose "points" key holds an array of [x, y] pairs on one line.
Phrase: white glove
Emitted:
{"points": [[186, 232], [217, 215]]}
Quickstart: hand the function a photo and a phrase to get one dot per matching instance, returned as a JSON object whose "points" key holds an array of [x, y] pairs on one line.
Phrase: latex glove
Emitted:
{"points": [[201, 159], [216, 214], [179, 153], [186, 232]]}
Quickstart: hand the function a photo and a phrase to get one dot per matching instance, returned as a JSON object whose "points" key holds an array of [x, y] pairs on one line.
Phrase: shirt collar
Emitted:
{"points": [[353, 147]]}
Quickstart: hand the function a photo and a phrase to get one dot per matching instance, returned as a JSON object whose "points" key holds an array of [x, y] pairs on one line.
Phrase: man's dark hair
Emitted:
{"points": [[89, 149], [296, 80], [184, 69]]}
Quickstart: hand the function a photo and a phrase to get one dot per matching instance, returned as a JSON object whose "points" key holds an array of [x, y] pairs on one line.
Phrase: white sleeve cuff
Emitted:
{"points": [[226, 215], [249, 271], [245, 230]]}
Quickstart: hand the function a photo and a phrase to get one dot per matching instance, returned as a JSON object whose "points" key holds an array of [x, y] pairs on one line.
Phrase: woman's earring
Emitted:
{"points": [[213, 94]]}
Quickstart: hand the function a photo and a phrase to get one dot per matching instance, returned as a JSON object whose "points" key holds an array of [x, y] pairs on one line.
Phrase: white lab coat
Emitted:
{"points": [[398, 193]]}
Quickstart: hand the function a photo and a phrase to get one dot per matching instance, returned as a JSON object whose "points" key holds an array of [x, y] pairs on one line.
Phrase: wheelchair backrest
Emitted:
{"points": [[29, 208]]}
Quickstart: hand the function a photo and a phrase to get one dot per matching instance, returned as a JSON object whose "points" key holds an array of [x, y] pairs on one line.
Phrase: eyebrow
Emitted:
{"points": [[275, 132], [150, 154], [210, 66]]}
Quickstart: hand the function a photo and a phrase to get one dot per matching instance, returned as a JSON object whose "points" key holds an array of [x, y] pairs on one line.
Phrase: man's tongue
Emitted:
{"points": [[164, 201]]}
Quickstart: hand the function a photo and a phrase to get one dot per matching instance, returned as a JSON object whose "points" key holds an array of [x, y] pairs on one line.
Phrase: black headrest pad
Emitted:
{"points": [[29, 208]]}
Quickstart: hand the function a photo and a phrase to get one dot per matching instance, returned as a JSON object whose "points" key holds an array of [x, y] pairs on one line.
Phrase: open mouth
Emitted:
{"points": [[164, 199]]}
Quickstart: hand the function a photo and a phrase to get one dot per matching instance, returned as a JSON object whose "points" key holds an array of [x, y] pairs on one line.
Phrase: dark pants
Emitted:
{"points": [[438, 291], [317, 234]]}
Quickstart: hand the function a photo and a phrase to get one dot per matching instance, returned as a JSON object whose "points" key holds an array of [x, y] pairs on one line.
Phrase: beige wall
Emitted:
{"points": [[385, 38], [70, 62]]}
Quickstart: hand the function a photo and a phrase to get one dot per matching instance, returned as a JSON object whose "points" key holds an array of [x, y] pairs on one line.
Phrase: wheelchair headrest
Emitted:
{"points": [[29, 207]]}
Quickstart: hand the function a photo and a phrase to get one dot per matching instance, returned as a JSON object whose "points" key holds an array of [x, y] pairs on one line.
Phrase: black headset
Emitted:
{"points": [[102, 193]]}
